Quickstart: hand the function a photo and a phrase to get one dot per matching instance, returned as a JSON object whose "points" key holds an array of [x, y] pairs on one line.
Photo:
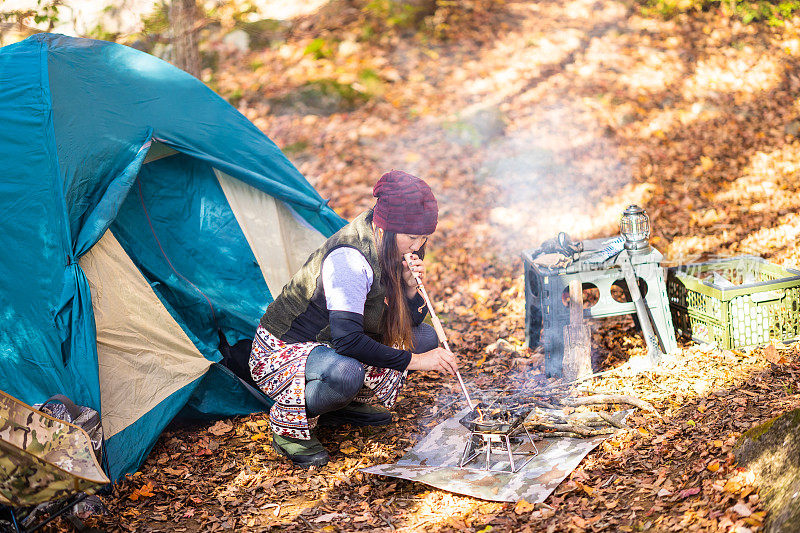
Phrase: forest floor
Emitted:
{"points": [[529, 118]]}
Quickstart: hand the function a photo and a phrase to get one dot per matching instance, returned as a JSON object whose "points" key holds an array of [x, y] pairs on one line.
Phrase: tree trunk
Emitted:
{"points": [[183, 16], [772, 452]]}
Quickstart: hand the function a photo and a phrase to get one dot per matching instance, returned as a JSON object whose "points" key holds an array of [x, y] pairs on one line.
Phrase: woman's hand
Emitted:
{"points": [[415, 265], [438, 359]]}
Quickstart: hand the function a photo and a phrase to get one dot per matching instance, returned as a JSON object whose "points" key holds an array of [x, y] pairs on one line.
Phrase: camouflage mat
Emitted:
{"points": [[434, 461], [42, 458]]}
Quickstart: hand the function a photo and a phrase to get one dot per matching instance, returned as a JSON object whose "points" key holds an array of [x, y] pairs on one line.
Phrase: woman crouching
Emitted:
{"points": [[348, 326]]}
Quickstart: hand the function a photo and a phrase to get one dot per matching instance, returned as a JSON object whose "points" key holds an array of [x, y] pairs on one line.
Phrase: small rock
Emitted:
{"points": [[792, 128]]}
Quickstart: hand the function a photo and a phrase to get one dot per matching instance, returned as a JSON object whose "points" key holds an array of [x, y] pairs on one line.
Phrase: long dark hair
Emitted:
{"points": [[396, 321]]}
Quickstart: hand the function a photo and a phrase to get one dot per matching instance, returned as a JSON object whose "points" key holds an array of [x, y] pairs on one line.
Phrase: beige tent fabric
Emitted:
{"points": [[281, 241], [143, 353]]}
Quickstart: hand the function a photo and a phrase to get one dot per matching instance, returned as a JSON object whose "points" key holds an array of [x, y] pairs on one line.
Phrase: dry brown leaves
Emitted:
{"points": [[695, 118]]}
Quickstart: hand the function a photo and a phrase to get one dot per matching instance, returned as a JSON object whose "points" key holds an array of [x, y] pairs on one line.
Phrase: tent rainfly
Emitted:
{"points": [[141, 216]]}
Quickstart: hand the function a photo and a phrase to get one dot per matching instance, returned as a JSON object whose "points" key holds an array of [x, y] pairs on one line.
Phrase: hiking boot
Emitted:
{"points": [[303, 453], [357, 414]]}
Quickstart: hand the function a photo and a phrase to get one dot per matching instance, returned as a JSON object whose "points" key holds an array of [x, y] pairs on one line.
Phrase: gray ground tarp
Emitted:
{"points": [[434, 461]]}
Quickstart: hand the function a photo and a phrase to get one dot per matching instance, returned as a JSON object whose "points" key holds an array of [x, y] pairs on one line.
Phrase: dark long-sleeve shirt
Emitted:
{"points": [[346, 278]]}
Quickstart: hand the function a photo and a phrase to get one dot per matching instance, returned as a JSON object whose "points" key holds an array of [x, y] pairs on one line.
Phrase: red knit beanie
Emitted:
{"points": [[405, 204]]}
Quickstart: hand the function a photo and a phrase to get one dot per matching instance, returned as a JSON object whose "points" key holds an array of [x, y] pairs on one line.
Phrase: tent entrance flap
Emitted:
{"points": [[179, 230]]}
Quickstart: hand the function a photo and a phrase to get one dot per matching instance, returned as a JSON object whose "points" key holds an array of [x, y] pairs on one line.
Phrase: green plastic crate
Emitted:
{"points": [[762, 304]]}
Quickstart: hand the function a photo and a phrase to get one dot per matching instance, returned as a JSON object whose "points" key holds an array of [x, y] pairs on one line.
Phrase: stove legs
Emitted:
{"points": [[483, 443]]}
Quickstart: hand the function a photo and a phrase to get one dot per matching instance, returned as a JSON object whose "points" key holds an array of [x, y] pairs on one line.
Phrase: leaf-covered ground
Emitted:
{"points": [[526, 117]]}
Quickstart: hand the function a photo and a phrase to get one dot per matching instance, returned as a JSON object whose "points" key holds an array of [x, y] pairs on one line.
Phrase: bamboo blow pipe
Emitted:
{"points": [[437, 326]]}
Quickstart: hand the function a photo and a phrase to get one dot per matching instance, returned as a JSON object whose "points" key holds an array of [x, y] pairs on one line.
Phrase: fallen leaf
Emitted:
{"points": [[145, 491], [328, 517], [688, 492], [713, 466], [485, 313], [220, 428], [772, 355], [586, 488], [523, 507], [578, 521], [742, 509], [732, 486]]}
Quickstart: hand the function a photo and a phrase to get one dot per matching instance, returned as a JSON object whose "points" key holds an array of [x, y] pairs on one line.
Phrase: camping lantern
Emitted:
{"points": [[635, 229]]}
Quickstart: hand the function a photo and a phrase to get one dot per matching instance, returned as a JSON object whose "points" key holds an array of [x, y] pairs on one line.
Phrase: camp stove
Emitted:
{"points": [[497, 431]]}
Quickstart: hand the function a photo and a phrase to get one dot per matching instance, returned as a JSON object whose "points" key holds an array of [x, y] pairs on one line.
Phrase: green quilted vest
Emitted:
{"points": [[303, 297]]}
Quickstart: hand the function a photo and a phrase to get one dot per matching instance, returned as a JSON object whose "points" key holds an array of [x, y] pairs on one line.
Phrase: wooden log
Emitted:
{"points": [[610, 399], [578, 429], [577, 361], [567, 430], [611, 419], [544, 404]]}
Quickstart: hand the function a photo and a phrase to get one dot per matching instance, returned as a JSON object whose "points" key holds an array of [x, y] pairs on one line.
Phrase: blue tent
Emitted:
{"points": [[141, 215]]}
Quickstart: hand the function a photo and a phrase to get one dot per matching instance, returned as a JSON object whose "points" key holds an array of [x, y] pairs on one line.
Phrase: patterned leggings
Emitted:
{"points": [[333, 380]]}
